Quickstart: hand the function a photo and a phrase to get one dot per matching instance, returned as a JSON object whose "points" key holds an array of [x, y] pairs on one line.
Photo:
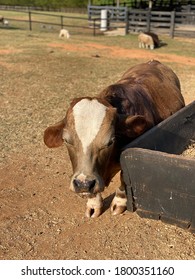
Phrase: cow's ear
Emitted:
{"points": [[53, 135], [132, 126]]}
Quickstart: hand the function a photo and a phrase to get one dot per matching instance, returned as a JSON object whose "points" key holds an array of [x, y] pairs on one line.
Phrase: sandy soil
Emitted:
{"points": [[39, 217]]}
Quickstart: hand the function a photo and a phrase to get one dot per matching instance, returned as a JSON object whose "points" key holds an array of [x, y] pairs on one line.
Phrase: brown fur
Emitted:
{"points": [[149, 89]]}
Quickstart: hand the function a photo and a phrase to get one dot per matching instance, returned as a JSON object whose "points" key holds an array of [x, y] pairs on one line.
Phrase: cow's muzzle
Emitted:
{"points": [[86, 186]]}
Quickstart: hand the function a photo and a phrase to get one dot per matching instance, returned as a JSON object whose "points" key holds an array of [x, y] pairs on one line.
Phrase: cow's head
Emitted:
{"points": [[90, 131]]}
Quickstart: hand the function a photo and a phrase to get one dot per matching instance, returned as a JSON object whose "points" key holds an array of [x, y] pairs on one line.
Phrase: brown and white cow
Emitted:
{"points": [[96, 129]]}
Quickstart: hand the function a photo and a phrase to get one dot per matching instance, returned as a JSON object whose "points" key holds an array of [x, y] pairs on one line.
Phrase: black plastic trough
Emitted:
{"points": [[161, 182]]}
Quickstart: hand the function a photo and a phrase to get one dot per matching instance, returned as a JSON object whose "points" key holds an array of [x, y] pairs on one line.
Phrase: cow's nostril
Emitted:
{"points": [[91, 184], [77, 183]]}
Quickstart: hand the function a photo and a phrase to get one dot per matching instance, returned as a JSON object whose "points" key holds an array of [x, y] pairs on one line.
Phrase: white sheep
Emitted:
{"points": [[145, 41], [5, 22], [64, 33]]}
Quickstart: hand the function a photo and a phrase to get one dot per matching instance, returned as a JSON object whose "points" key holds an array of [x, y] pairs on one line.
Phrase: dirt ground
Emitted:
{"points": [[39, 217]]}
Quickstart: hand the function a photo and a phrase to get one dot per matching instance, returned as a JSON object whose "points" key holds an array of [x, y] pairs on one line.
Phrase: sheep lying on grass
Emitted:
{"points": [[64, 33], [148, 40]]}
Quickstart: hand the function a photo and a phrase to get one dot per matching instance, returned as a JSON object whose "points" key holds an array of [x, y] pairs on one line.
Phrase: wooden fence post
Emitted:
{"points": [[172, 27], [62, 23], [148, 21], [94, 27], [30, 21], [127, 21]]}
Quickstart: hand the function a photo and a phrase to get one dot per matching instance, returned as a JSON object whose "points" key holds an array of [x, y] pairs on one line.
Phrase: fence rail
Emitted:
{"points": [[35, 8]]}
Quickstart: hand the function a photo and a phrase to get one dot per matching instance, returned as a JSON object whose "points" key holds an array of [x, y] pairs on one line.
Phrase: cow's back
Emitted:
{"points": [[151, 89]]}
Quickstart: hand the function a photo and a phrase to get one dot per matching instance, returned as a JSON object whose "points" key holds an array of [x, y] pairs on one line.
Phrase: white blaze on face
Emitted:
{"points": [[88, 116]]}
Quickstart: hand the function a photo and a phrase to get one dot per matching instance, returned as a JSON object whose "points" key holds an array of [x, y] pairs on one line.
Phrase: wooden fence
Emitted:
{"points": [[48, 22], [132, 20], [173, 23]]}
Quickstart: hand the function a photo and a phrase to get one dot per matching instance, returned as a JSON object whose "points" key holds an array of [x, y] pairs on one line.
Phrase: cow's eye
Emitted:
{"points": [[68, 141], [67, 138], [110, 142]]}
